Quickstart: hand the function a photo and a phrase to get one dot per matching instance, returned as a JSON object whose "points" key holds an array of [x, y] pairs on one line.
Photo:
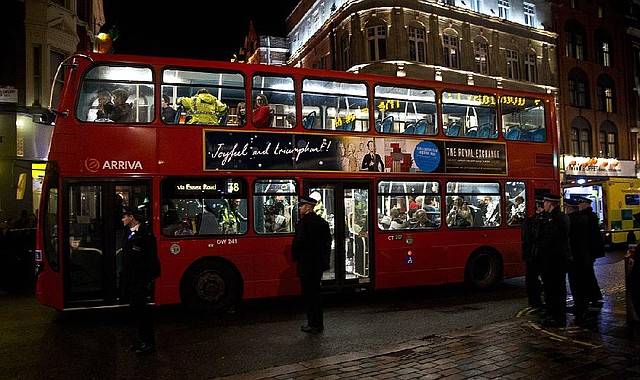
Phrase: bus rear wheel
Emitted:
{"points": [[211, 286], [484, 269]]}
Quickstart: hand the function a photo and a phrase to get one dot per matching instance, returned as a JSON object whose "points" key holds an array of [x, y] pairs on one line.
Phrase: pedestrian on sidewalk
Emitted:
{"points": [[311, 251], [530, 232], [595, 250], [140, 268], [555, 260]]}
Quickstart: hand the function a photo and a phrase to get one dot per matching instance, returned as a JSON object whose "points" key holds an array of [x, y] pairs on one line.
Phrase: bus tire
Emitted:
{"points": [[484, 269], [211, 285]]}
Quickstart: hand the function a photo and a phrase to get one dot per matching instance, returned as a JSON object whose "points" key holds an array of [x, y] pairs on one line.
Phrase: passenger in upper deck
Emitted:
{"points": [[121, 112], [261, 114], [204, 108]]}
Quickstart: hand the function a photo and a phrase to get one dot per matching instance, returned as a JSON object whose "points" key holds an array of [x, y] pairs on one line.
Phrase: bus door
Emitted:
{"points": [[347, 207], [92, 260]]}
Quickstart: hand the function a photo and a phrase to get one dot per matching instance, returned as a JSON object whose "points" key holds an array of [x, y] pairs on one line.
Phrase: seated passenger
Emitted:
{"points": [[121, 112], [203, 108], [261, 114]]}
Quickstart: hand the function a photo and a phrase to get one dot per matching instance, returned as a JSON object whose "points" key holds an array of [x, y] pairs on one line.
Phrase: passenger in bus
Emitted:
{"points": [[277, 214], [517, 211], [261, 114], [492, 217], [105, 105], [231, 218], [385, 222], [168, 113], [204, 108], [241, 112], [121, 112], [460, 214], [372, 161]]}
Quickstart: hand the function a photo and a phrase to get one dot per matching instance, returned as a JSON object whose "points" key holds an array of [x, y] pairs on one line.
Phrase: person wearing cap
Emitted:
{"points": [[555, 257], [595, 249], [531, 226], [141, 267], [311, 251], [203, 108], [579, 267]]}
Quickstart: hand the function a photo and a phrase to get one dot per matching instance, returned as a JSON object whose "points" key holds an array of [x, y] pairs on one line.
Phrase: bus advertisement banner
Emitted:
{"points": [[274, 151]]}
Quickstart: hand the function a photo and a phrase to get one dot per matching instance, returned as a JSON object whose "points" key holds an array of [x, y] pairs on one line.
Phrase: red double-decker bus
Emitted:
{"points": [[422, 182]]}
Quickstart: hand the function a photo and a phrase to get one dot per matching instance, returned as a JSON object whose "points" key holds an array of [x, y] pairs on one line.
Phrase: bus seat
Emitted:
{"points": [[539, 135], [526, 136], [387, 123], [378, 126], [471, 133], [421, 127], [512, 134], [453, 129], [309, 120], [350, 126], [410, 128], [484, 131]]}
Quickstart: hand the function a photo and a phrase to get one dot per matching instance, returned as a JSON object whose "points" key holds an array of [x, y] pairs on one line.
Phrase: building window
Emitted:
{"points": [[529, 14], [578, 88], [476, 5], [377, 40], [513, 67], [580, 141], [345, 57], [503, 9], [605, 92], [55, 59], [481, 51], [450, 43], [449, 2], [417, 44], [37, 75], [530, 67], [575, 37], [603, 48], [608, 140]]}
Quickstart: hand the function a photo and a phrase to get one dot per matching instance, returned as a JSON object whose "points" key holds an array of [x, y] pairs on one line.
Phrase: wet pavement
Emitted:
{"points": [[602, 344]]}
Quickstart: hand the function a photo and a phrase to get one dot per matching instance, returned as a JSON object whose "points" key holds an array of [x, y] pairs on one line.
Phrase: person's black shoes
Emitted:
{"points": [[311, 329], [144, 349]]}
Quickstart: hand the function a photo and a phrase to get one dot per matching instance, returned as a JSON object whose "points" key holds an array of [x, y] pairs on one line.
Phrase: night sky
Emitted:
{"points": [[201, 30]]}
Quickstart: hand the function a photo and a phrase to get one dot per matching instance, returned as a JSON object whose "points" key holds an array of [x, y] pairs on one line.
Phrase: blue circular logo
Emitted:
{"points": [[426, 156]]}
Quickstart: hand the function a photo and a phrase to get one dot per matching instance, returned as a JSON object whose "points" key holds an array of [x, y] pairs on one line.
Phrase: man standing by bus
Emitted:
{"points": [[140, 268], [311, 251]]}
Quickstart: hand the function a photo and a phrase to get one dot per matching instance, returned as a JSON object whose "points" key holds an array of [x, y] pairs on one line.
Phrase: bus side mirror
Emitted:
{"points": [[46, 117]]}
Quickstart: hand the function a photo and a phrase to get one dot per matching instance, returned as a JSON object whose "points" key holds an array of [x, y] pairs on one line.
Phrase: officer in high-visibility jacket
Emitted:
{"points": [[204, 108]]}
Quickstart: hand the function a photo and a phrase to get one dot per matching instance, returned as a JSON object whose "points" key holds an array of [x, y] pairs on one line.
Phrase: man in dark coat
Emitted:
{"points": [[141, 267], [595, 249], [311, 250], [579, 268], [553, 245], [530, 231]]}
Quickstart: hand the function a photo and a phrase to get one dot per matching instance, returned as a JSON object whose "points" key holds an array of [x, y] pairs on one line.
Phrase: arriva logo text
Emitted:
{"points": [[121, 165]]}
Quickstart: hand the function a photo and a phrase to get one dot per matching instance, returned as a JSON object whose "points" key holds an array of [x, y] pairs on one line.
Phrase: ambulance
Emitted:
{"points": [[615, 201]]}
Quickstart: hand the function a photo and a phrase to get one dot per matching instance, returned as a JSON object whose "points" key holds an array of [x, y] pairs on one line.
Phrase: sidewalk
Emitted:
{"points": [[601, 346]]}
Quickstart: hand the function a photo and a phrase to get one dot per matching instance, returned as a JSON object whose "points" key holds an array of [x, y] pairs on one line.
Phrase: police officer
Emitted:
{"points": [[530, 231], [595, 249], [578, 269], [553, 246], [140, 268], [311, 251], [204, 108]]}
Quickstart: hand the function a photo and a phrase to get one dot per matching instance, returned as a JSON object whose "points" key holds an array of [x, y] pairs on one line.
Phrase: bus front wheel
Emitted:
{"points": [[211, 286], [484, 269]]}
